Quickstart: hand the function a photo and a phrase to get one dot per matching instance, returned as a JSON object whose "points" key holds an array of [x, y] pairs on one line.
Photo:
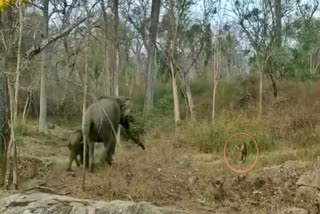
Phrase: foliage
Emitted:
{"points": [[21, 128], [6, 3]]}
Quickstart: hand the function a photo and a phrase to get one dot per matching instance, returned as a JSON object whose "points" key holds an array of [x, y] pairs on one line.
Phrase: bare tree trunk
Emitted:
{"points": [[17, 79], [260, 93], [214, 102], [177, 117], [274, 86], [9, 149], [155, 11], [278, 17], [2, 118], [15, 104], [115, 8], [216, 76], [190, 102], [108, 82], [7, 21], [116, 46], [228, 69], [43, 123], [85, 91], [25, 109]]}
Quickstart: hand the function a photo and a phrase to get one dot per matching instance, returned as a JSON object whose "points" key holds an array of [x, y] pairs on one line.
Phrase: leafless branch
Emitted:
{"points": [[34, 51], [35, 5]]}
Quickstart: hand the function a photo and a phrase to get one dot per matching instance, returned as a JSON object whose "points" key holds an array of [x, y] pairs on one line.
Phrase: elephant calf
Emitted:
{"points": [[75, 145]]}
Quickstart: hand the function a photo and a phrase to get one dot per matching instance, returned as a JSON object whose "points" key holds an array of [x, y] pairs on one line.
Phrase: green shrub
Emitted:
{"points": [[164, 104], [21, 128], [200, 86]]}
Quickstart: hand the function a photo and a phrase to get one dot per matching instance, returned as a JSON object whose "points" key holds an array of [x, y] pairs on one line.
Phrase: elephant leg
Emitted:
{"points": [[109, 149], [88, 156], [110, 152], [72, 157], [81, 157], [77, 161], [104, 154], [91, 156]]}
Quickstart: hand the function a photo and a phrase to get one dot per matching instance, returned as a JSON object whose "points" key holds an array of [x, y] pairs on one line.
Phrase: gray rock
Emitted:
{"points": [[294, 210], [309, 185], [44, 203], [34, 202], [310, 178], [227, 210]]}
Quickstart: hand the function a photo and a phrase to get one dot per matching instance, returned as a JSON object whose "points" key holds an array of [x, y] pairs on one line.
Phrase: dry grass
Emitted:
{"points": [[186, 168]]}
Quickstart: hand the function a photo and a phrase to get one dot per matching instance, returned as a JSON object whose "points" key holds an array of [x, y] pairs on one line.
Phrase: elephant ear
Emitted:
{"points": [[125, 106], [123, 101]]}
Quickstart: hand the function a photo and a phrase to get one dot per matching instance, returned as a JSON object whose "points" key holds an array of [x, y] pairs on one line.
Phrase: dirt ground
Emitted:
{"points": [[164, 174]]}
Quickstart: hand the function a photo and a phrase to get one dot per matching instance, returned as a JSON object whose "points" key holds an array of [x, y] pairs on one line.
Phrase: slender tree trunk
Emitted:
{"points": [[177, 117], [108, 82], [6, 22], [274, 86], [214, 102], [228, 69], [190, 102], [116, 47], [18, 68], [9, 149], [15, 104], [216, 76], [85, 91], [155, 11], [3, 117], [25, 109], [260, 93], [278, 17], [43, 123]]}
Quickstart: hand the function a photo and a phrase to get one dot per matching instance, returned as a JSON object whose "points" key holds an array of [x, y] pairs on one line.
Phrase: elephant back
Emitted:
{"points": [[104, 116]]}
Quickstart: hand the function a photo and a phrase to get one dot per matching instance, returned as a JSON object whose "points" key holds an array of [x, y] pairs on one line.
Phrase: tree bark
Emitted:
{"points": [[115, 8], [7, 21], [43, 123], [9, 148], [85, 91], [14, 108], [175, 20], [274, 85], [190, 102], [3, 117], [260, 93], [278, 16], [216, 76], [177, 117], [149, 77], [108, 82]]}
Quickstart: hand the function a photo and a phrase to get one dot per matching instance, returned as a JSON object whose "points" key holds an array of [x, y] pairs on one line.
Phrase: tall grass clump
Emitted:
{"points": [[211, 138]]}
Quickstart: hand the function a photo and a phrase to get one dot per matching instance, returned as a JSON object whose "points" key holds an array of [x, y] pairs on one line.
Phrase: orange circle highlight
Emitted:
{"points": [[225, 156]]}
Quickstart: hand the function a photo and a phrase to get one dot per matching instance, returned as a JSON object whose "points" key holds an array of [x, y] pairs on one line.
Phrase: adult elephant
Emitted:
{"points": [[102, 121]]}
